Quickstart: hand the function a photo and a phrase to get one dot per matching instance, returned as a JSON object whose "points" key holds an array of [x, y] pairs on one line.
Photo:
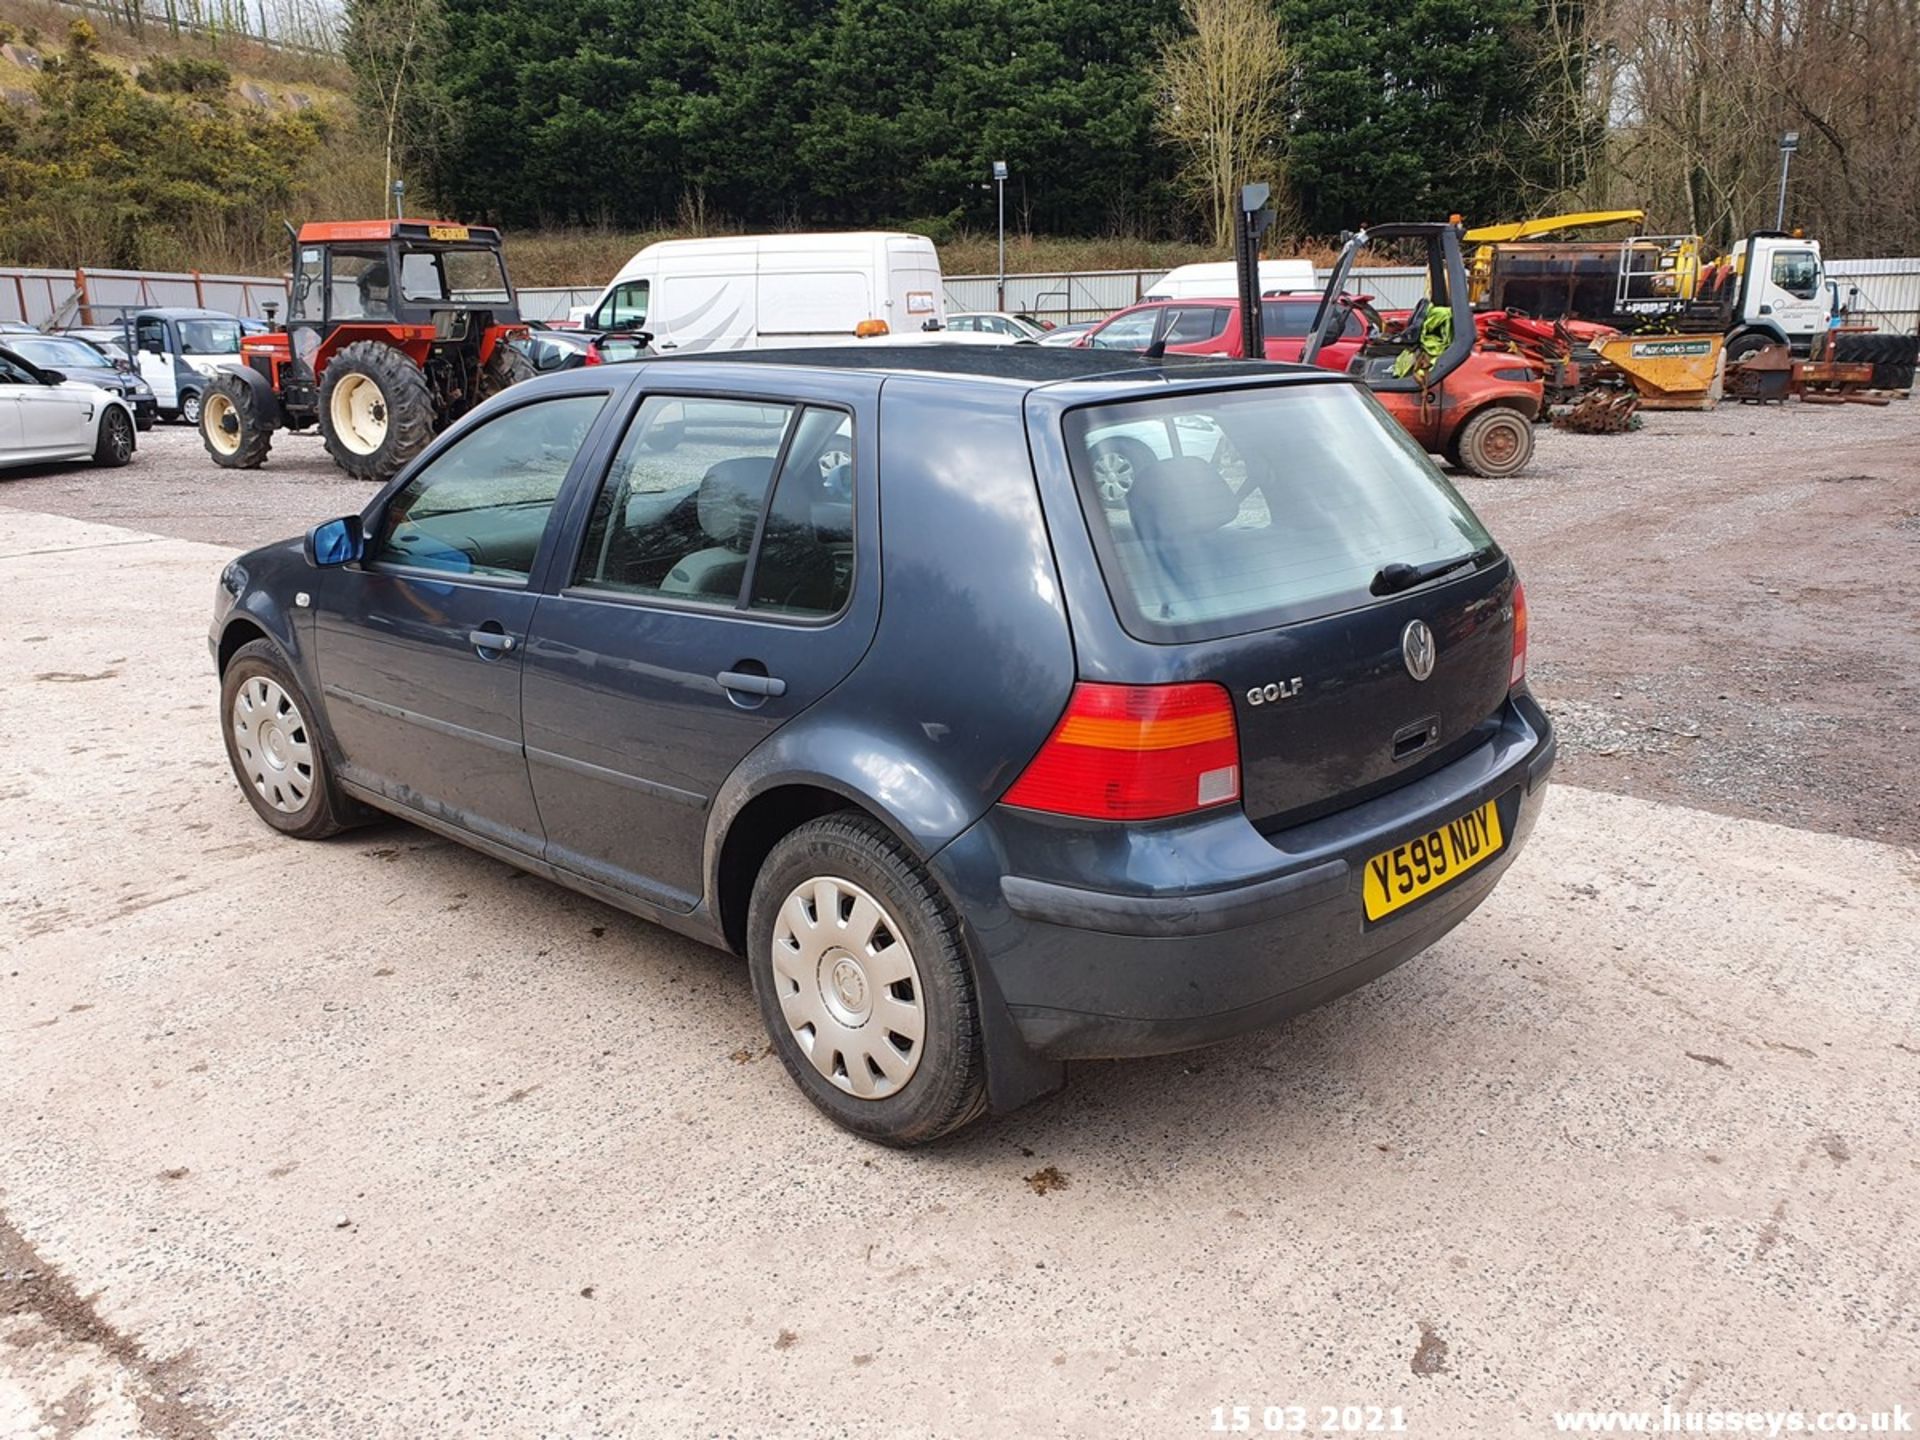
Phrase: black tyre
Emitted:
{"points": [[236, 435], [1752, 343], [508, 365], [1495, 443], [1892, 357], [861, 970], [376, 412], [1117, 463], [114, 447], [143, 420], [268, 724], [190, 407]]}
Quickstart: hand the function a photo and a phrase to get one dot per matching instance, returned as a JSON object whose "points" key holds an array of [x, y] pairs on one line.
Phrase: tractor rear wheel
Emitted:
{"points": [[376, 412], [1495, 443], [508, 365], [236, 435]]}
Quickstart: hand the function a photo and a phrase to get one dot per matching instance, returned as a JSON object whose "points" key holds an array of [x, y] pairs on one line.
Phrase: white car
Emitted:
{"points": [[45, 417], [995, 322]]}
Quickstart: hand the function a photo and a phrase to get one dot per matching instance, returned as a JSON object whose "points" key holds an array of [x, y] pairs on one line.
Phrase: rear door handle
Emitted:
{"points": [[745, 684], [490, 640]]}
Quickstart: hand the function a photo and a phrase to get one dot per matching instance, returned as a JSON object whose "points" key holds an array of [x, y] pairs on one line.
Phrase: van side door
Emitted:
{"points": [[153, 354]]}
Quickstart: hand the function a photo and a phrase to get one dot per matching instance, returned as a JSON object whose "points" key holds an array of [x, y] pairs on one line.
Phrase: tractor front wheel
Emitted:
{"points": [[508, 365], [376, 412], [232, 428]]}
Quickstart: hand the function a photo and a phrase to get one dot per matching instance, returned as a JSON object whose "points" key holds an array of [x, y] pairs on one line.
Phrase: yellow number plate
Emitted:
{"points": [[1403, 874], [447, 232]]}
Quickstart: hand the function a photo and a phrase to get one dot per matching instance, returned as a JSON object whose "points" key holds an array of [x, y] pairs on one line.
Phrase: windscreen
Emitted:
{"points": [[50, 354], [209, 337], [465, 277], [1223, 513]]}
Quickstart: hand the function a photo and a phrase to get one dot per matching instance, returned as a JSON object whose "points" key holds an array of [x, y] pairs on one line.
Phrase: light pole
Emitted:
{"points": [[1000, 185], [399, 196], [1789, 143]]}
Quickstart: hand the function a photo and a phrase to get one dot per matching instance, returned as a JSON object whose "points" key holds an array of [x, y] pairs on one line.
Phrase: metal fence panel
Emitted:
{"points": [[1886, 292], [542, 304]]}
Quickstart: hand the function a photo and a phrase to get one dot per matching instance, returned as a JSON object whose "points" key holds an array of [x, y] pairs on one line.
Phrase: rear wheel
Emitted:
{"points": [[236, 435], [376, 412], [861, 970], [508, 365], [114, 447], [1495, 443]]}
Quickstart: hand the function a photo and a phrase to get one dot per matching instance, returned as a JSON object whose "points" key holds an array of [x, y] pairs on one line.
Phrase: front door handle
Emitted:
{"points": [[668, 345], [743, 683], [493, 640]]}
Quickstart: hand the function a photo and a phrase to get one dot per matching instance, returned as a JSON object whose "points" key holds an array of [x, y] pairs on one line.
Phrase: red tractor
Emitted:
{"points": [[1474, 406], [395, 329]]}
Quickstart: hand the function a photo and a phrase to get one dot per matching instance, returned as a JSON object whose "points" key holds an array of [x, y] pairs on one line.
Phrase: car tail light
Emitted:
{"points": [[593, 356], [1136, 752], [1519, 671], [867, 329]]}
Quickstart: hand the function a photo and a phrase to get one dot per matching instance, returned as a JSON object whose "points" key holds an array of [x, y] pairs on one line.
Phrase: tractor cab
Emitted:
{"points": [[395, 328], [1474, 407]]}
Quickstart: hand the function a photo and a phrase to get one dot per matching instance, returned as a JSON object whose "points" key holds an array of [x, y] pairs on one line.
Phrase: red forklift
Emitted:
{"points": [[1473, 407]]}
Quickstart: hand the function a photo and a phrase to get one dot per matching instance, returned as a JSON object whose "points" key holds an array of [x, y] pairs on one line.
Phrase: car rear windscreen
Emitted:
{"points": [[1233, 511]]}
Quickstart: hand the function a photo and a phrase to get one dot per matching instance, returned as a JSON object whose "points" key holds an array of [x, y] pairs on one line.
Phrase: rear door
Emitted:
{"points": [[914, 289], [1259, 549], [725, 578]]}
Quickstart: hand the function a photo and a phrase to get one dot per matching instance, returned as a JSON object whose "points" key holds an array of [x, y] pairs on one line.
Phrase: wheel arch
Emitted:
{"points": [[240, 631]]}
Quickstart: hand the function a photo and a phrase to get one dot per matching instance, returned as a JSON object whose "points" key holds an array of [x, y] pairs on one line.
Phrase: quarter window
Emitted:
{"points": [[481, 506], [1192, 326]]}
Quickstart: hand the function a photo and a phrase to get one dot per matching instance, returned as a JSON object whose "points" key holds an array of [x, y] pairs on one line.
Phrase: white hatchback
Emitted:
{"points": [[46, 418]]}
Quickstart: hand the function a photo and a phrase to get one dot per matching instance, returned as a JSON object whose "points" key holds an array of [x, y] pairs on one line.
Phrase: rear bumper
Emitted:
{"points": [[1169, 939]]}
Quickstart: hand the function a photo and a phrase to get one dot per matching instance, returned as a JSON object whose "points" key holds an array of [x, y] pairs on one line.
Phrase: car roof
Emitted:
{"points": [[1028, 366], [181, 312]]}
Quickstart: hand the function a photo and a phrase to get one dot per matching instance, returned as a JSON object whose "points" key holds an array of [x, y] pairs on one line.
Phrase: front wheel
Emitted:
{"points": [[114, 448], [268, 724], [1743, 347], [236, 435], [190, 407], [1495, 443], [864, 982]]}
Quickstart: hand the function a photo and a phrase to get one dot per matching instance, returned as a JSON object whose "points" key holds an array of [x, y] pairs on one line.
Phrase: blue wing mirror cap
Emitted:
{"points": [[335, 542]]}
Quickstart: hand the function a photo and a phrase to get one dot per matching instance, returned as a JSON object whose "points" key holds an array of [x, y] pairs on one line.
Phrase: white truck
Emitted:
{"points": [[745, 292], [1219, 279]]}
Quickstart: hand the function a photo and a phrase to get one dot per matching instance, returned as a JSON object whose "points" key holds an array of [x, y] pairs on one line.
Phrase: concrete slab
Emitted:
{"points": [[378, 1137]]}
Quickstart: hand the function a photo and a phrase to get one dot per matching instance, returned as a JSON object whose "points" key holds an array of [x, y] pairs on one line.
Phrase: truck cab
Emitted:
{"points": [[1779, 293], [178, 351]]}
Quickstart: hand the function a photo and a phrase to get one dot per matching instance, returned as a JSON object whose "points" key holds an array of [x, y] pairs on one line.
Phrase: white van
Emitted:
{"points": [[748, 291], [1218, 279]]}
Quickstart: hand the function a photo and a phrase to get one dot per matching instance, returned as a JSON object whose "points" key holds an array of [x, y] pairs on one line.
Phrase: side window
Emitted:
{"points": [[625, 308], [1797, 272], [804, 565], [1191, 326], [1129, 332], [151, 335], [12, 374], [362, 287], [306, 285], [481, 506], [677, 513], [963, 322]]}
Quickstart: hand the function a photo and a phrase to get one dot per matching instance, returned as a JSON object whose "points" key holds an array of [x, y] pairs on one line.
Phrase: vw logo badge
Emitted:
{"points": [[1416, 648]]}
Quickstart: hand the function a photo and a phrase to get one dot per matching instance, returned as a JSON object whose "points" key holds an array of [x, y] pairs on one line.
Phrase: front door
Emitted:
{"points": [[153, 354], [58, 418], [722, 586], [419, 646], [13, 384], [1789, 289]]}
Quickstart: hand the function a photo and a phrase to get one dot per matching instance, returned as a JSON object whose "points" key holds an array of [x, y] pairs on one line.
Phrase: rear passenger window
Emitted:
{"points": [[1192, 326], [685, 513], [481, 505]]}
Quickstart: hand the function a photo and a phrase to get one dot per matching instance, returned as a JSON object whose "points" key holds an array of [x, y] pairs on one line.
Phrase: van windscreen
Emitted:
{"points": [[1224, 513]]}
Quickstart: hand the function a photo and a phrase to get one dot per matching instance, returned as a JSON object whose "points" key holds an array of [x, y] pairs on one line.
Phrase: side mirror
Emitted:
{"points": [[53, 377], [154, 345], [335, 542]]}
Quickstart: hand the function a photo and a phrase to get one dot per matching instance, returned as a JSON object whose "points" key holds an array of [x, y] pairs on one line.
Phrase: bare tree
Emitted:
{"points": [[389, 46], [1222, 92]]}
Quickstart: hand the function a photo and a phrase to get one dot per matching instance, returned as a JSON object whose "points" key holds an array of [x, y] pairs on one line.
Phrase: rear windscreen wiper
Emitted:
{"points": [[1392, 579]]}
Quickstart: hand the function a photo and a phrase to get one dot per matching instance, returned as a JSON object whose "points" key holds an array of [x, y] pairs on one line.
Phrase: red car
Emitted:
{"points": [[1212, 327]]}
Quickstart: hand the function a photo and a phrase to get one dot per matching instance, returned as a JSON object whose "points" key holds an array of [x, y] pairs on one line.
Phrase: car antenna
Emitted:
{"points": [[1157, 348]]}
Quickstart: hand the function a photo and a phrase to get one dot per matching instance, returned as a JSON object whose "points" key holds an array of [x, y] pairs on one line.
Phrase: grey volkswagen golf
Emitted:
{"points": [[1001, 707]]}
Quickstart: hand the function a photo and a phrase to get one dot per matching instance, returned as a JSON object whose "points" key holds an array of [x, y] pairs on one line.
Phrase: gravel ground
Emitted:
{"points": [[1723, 605], [379, 1138]]}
